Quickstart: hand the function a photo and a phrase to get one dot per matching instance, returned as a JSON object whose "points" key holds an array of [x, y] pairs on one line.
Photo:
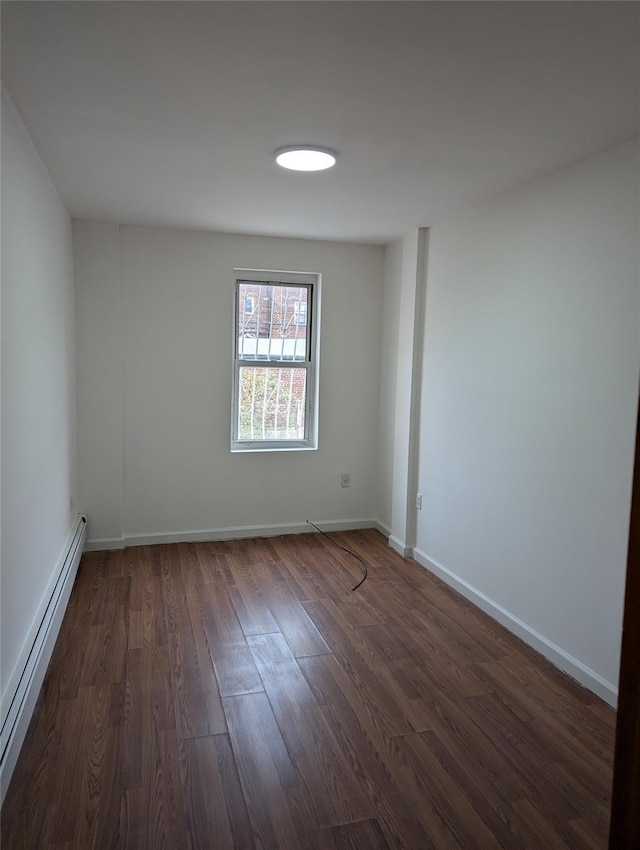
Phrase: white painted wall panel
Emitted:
{"points": [[177, 305], [96, 249], [529, 398], [389, 344], [39, 495]]}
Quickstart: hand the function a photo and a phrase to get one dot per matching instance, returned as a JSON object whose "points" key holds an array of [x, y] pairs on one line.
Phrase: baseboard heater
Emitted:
{"points": [[24, 687]]}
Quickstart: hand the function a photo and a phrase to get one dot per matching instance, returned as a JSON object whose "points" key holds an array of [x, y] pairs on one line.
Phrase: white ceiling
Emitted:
{"points": [[168, 113]]}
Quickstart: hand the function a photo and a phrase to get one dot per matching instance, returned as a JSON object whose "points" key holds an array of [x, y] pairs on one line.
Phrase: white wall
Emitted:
{"points": [[400, 372], [528, 405], [96, 260], [389, 344], [38, 386], [407, 391], [167, 297]]}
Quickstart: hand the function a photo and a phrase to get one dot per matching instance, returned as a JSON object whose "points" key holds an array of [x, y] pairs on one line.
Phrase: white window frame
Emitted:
{"points": [[312, 281]]}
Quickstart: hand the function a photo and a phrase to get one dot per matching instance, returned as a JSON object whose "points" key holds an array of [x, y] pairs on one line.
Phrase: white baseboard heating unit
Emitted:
{"points": [[24, 686]]}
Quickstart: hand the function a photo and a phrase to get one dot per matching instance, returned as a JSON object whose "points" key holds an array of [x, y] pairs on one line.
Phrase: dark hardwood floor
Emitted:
{"points": [[239, 695]]}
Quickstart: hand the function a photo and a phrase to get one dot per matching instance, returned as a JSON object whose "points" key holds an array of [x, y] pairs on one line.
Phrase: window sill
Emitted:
{"points": [[262, 449]]}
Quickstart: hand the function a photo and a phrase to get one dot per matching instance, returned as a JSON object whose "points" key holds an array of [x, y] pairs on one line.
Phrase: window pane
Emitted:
{"points": [[271, 403], [272, 321]]}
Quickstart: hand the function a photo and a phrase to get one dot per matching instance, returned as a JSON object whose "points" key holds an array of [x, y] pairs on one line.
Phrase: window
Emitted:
{"points": [[300, 312], [275, 361]]}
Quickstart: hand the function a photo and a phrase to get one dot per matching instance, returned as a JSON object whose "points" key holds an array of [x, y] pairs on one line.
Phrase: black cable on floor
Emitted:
{"points": [[344, 549]]}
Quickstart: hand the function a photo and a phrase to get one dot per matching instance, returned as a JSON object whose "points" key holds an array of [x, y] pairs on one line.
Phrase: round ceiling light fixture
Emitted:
{"points": [[305, 158]]}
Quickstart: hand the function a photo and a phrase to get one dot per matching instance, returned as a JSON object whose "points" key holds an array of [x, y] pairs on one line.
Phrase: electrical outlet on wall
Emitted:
{"points": [[345, 479]]}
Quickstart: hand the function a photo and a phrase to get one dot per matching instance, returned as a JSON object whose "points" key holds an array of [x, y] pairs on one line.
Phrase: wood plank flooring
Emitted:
{"points": [[239, 695]]}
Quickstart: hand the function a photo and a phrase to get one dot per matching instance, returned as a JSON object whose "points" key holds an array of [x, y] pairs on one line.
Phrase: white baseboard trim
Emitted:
{"points": [[382, 528], [26, 680], [104, 544], [561, 659], [400, 547], [231, 533]]}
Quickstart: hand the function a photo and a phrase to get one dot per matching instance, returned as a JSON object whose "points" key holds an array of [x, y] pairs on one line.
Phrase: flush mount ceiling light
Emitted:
{"points": [[305, 158]]}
